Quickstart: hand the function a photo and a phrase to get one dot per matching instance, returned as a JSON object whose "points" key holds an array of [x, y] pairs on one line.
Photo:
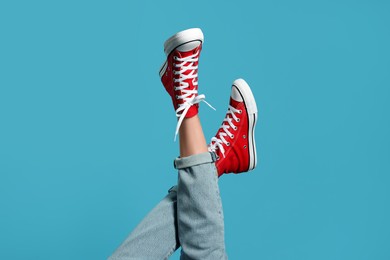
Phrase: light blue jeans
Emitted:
{"points": [[190, 216]]}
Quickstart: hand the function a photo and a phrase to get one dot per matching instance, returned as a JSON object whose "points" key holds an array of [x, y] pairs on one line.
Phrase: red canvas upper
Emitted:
{"points": [[236, 156], [169, 76]]}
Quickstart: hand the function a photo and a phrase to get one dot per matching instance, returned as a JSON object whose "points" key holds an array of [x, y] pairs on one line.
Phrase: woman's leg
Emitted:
{"points": [[199, 207], [156, 237], [192, 140]]}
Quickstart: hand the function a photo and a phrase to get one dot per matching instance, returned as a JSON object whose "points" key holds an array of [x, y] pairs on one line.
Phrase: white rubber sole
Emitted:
{"points": [[183, 37], [179, 39], [251, 107]]}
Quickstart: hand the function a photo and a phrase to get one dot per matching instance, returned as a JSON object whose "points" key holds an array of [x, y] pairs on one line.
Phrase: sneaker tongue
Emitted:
{"points": [[236, 94], [234, 103], [193, 111]]}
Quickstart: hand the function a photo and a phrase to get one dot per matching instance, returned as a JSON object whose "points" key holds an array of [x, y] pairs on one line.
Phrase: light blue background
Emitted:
{"points": [[86, 129]]}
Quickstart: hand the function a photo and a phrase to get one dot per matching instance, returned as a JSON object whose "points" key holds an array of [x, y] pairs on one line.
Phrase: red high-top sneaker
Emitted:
{"points": [[179, 73], [234, 143]]}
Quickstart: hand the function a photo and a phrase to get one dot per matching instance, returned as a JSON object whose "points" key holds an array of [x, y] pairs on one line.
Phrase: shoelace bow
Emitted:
{"points": [[218, 141], [188, 95]]}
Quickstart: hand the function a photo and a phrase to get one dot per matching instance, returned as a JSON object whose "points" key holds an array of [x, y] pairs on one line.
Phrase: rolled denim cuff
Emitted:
{"points": [[197, 159]]}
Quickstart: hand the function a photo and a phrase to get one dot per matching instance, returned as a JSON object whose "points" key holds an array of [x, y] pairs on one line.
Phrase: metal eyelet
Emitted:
{"points": [[228, 144], [238, 120], [244, 146], [244, 136], [240, 111], [232, 136], [235, 127]]}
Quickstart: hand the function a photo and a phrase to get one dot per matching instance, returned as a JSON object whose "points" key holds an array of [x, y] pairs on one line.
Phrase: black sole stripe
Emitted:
{"points": [[253, 141]]}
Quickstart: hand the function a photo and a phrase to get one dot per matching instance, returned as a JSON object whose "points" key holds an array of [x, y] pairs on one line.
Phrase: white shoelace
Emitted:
{"points": [[218, 141], [188, 95]]}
